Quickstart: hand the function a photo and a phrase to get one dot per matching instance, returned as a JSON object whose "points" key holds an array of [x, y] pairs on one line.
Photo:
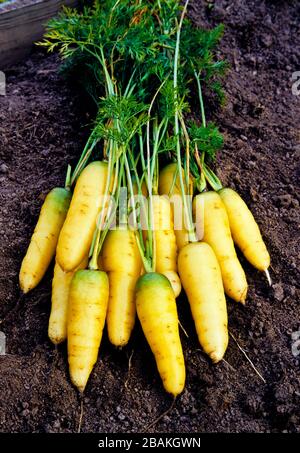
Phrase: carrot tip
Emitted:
{"points": [[25, 290], [215, 357], [268, 277]]}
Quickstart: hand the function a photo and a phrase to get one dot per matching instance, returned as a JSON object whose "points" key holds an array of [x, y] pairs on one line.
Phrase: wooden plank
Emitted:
{"points": [[22, 26]]}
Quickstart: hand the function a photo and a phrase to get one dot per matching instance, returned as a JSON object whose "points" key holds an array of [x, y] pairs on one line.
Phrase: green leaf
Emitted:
{"points": [[208, 139], [211, 178]]}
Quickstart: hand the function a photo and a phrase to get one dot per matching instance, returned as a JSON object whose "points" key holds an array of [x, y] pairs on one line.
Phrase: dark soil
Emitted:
{"points": [[40, 131]]}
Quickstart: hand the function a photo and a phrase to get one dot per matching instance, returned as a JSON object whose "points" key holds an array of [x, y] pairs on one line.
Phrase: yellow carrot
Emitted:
{"points": [[201, 278], [216, 232], [244, 230], [77, 233], [157, 312], [57, 328], [43, 243], [171, 187], [87, 308], [165, 242], [122, 260]]}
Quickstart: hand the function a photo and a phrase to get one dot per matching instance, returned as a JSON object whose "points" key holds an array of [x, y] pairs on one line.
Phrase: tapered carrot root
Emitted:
{"points": [[43, 243], [202, 281], [244, 230], [122, 260], [157, 312], [57, 328], [77, 233], [88, 300], [216, 232], [174, 279], [165, 242]]}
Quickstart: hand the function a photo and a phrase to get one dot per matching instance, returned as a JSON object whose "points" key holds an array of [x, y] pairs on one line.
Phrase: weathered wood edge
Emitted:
{"points": [[22, 26]]}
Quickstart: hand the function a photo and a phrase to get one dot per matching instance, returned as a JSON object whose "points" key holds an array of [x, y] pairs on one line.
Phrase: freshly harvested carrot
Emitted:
{"points": [[57, 328], [174, 279], [201, 278], [244, 230], [167, 186], [88, 300], [157, 312], [43, 242], [77, 233], [165, 241], [216, 232], [122, 261]]}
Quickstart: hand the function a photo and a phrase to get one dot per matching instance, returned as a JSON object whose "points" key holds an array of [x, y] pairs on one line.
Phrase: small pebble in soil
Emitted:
{"points": [[278, 292], [239, 143], [267, 40], [254, 194], [35, 411], [3, 169], [184, 419], [253, 403], [250, 59], [56, 424], [45, 152], [295, 203], [284, 200]]}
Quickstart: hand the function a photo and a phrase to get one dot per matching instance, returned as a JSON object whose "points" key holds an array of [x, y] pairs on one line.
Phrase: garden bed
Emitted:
{"points": [[40, 129]]}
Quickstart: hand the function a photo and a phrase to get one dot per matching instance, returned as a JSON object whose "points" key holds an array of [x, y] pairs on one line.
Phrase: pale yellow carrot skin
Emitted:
{"points": [[165, 241], [157, 312], [174, 279], [244, 230], [166, 178], [201, 279], [122, 261], [77, 233], [43, 242], [57, 328], [216, 232], [87, 308]]}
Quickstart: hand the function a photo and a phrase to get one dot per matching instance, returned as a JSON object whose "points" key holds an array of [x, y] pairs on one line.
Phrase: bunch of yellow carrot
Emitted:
{"points": [[82, 299], [108, 269]]}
